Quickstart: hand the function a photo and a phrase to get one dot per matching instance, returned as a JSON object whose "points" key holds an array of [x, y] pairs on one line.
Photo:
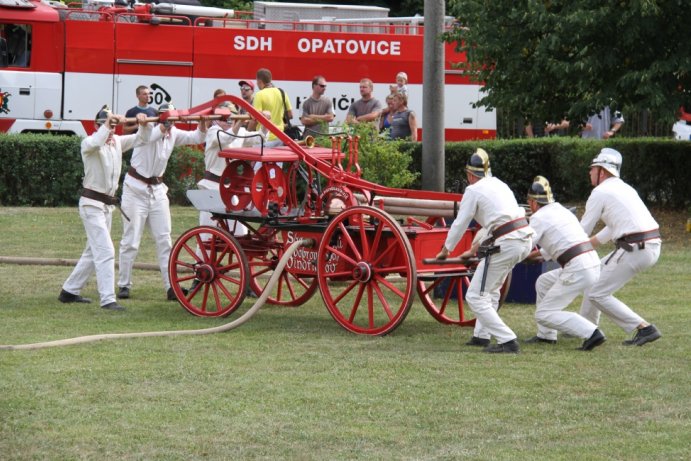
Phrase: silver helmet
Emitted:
{"points": [[608, 159]]}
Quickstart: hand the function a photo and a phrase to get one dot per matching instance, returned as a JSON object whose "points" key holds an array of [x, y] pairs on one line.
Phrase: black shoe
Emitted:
{"points": [[67, 297], [479, 342], [537, 339], [123, 293], [113, 306], [509, 347], [644, 335], [251, 294], [195, 284], [171, 294], [595, 340]]}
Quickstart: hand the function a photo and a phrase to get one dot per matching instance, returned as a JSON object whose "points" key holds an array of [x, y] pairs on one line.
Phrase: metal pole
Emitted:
{"points": [[433, 173]]}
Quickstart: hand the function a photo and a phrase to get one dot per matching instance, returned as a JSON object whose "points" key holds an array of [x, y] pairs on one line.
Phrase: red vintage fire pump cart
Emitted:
{"points": [[370, 241]]}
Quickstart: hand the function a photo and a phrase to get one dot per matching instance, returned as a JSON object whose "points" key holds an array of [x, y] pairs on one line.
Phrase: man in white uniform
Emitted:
{"points": [[102, 157], [636, 236], [232, 135], [145, 199], [492, 204], [561, 238]]}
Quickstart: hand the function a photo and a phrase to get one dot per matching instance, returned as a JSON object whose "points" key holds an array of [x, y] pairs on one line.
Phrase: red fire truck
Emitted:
{"points": [[59, 64]]}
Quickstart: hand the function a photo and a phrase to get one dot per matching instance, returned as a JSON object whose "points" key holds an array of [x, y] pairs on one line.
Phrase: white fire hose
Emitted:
{"points": [[204, 331]]}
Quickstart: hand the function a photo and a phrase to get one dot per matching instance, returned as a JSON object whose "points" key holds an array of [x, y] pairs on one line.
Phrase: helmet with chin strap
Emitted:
{"points": [[165, 107], [102, 115], [608, 159], [540, 191], [478, 164]]}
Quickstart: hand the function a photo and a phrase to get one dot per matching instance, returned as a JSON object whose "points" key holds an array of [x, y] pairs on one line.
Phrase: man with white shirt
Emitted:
{"points": [[145, 199], [492, 204], [561, 238], [102, 157], [636, 236], [231, 135]]}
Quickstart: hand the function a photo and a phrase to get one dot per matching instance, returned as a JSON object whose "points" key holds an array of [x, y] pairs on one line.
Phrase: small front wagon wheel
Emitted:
{"points": [[209, 263]]}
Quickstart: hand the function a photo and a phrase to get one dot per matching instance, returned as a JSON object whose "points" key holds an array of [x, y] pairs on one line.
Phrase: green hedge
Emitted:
{"points": [[659, 169], [44, 170]]}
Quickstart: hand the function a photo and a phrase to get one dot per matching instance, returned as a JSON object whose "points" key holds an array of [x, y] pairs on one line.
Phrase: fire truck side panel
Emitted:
{"points": [[48, 93], [85, 94], [160, 57], [89, 69], [20, 86], [90, 46]]}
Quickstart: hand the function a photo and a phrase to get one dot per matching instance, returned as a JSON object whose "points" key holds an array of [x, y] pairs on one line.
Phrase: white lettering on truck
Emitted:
{"points": [[252, 43], [339, 45]]}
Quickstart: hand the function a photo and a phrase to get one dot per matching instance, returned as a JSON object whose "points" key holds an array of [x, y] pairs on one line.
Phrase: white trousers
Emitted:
{"points": [[144, 210], [99, 254], [555, 290], [484, 306], [613, 275]]}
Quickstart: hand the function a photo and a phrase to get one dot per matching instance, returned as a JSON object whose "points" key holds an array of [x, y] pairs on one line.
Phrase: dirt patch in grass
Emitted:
{"points": [[673, 226]]}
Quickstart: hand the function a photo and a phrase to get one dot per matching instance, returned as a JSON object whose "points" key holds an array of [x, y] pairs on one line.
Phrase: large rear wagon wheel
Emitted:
{"points": [[361, 247], [291, 289], [443, 296], [210, 263]]}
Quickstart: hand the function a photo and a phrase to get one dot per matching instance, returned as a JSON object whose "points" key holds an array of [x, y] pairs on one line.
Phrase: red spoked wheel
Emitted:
{"points": [[210, 263], [360, 248], [443, 295], [291, 289]]}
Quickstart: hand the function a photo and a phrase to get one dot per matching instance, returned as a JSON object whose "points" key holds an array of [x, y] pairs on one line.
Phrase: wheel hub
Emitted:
{"points": [[362, 272], [205, 273]]}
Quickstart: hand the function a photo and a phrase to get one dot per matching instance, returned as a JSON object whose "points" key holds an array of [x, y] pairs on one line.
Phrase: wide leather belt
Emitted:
{"points": [[628, 241], [211, 177], [101, 197], [574, 251], [151, 181], [509, 227]]}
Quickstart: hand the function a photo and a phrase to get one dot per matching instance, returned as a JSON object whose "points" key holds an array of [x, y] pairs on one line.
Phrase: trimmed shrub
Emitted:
{"points": [[45, 170]]}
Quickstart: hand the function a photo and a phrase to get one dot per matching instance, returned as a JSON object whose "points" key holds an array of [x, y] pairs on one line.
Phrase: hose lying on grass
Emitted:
{"points": [[204, 331]]}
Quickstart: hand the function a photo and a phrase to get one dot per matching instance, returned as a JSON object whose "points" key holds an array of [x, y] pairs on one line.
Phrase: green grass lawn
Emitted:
{"points": [[291, 384]]}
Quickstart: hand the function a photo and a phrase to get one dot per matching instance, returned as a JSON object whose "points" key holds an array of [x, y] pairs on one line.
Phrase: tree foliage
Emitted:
{"points": [[550, 59]]}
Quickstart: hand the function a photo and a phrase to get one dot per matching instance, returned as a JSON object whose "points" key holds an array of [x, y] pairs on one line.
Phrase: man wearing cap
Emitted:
{"points": [[102, 157], [492, 204], [145, 199], [636, 236], [247, 93], [561, 238]]}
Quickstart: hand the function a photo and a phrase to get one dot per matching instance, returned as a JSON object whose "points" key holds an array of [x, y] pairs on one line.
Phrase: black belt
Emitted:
{"points": [[627, 241], [104, 198], [574, 251], [509, 227], [151, 181], [211, 177]]}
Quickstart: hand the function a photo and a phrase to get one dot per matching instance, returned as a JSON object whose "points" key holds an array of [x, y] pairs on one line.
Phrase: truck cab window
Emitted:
{"points": [[15, 45]]}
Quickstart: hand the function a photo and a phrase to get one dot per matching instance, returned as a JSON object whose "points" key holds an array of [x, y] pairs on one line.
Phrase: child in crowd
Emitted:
{"points": [[401, 85]]}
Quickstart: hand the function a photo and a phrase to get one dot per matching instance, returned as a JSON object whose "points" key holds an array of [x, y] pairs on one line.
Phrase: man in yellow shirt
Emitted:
{"points": [[269, 98]]}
